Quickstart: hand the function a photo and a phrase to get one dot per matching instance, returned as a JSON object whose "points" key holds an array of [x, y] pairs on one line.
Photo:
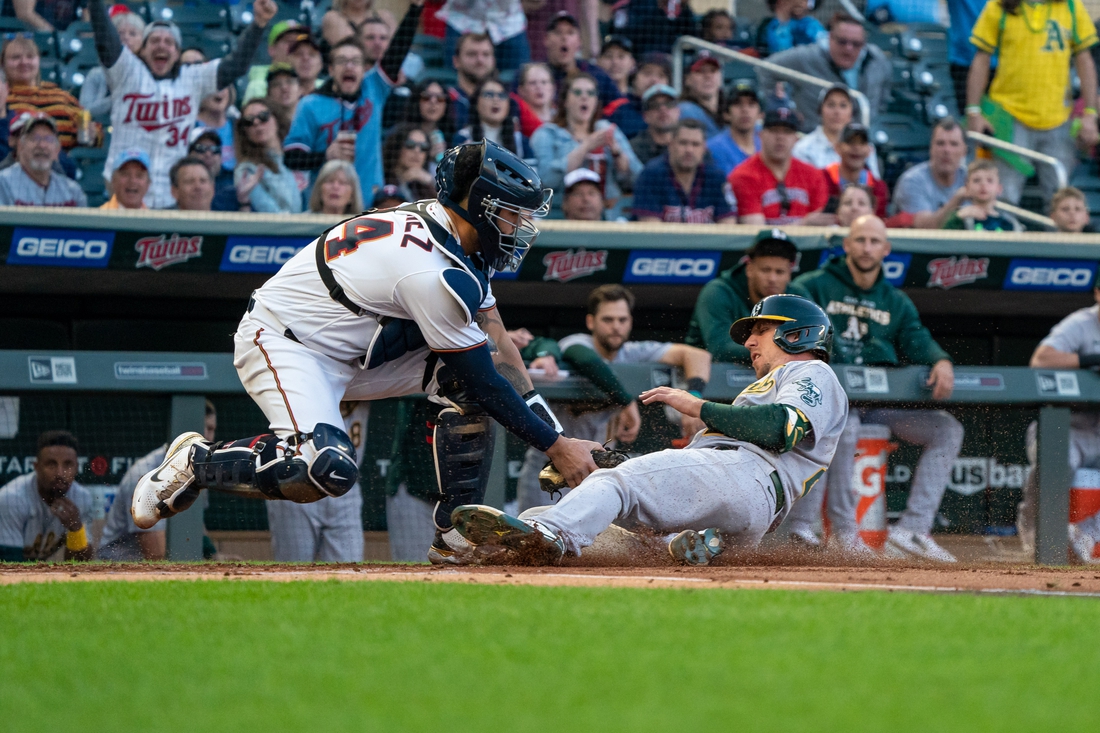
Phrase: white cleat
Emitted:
{"points": [[902, 543], [1084, 546], [163, 492], [802, 537], [851, 547]]}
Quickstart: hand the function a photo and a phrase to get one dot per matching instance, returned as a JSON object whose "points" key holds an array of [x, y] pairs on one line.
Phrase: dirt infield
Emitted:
{"points": [[985, 578]]}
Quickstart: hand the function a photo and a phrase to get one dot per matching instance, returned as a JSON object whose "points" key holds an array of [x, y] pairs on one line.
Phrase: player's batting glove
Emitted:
{"points": [[552, 482], [538, 405]]}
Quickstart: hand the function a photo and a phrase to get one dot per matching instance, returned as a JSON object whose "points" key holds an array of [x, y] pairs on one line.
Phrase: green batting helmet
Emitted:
{"points": [[802, 325]]}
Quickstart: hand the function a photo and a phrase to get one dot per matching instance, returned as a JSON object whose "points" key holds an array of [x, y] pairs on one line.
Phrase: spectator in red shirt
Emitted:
{"points": [[683, 186], [772, 187], [854, 148]]}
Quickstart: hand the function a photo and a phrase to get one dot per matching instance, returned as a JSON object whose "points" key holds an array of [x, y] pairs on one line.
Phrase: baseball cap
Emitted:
{"points": [[133, 154], [27, 120], [615, 39], [581, 175], [705, 59], [280, 69], [305, 38], [390, 191], [562, 16], [280, 29], [772, 243], [656, 58], [118, 9], [830, 90], [199, 133], [742, 88], [655, 90], [163, 25], [854, 129], [782, 114]]}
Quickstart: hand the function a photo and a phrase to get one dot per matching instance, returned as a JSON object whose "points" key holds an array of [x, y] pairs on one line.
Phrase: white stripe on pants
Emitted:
{"points": [[670, 491]]}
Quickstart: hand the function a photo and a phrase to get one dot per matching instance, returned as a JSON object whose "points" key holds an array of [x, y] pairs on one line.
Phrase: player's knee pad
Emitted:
{"points": [[261, 467], [462, 445], [334, 469]]}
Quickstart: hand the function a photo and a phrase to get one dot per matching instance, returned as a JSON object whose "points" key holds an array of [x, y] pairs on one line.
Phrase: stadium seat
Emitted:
{"points": [[430, 49], [89, 171], [47, 43], [732, 70], [203, 14], [77, 46], [745, 35]]}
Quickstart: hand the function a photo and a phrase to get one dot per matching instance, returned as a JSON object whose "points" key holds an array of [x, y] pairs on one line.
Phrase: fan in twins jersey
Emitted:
{"points": [[156, 99], [385, 304]]}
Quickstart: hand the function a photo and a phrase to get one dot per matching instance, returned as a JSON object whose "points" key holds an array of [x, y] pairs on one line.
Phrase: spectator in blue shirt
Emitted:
{"points": [[733, 146], [563, 43], [343, 119], [683, 186], [790, 26], [960, 53], [702, 95], [627, 112]]}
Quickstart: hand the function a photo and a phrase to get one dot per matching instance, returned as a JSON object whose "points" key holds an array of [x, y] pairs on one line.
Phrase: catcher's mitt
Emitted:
{"points": [[552, 482]]}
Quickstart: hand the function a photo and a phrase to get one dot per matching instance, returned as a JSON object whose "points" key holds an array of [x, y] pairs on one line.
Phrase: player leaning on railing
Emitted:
{"points": [[385, 304]]}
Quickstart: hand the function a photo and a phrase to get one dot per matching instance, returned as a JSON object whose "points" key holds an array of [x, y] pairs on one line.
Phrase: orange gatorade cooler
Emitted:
{"points": [[869, 483], [1084, 495]]}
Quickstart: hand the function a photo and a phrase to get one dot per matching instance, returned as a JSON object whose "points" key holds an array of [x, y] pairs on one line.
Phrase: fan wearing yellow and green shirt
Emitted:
{"points": [[1029, 100]]}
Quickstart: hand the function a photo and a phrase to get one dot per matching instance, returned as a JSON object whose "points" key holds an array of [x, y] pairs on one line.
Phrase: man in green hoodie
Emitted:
{"points": [[765, 270], [878, 325]]}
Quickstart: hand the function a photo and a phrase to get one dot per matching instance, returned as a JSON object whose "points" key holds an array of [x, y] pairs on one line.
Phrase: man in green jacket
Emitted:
{"points": [[765, 270], [877, 325]]}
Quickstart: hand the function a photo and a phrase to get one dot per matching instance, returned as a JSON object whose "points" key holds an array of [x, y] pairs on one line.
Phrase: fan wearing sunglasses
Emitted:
{"points": [[405, 158], [772, 187], [491, 119], [263, 181], [849, 60]]}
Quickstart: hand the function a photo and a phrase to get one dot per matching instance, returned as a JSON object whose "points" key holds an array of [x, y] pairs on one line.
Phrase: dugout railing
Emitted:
{"points": [[185, 379]]}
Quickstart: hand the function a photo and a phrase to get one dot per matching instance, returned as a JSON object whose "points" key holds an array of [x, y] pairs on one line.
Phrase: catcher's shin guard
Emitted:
{"points": [[263, 468], [462, 445]]}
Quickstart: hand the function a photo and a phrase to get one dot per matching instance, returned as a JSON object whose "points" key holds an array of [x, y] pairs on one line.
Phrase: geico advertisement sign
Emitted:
{"points": [[674, 266], [259, 254], [60, 247], [1063, 275]]}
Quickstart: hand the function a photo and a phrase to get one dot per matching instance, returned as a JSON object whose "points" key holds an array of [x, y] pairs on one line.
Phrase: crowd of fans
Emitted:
{"points": [[542, 82]]}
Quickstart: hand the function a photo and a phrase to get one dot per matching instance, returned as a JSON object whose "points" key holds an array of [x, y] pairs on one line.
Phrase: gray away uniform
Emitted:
{"points": [[716, 481], [26, 521]]}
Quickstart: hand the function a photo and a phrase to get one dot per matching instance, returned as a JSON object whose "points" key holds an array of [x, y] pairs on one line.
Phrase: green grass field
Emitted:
{"points": [[417, 656]]}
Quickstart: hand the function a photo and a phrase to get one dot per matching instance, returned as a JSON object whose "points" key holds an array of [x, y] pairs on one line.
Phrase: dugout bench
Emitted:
{"points": [[189, 377]]}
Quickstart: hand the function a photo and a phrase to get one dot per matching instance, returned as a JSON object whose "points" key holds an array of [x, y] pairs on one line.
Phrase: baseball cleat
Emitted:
{"points": [[696, 548], [851, 547], [164, 491], [450, 548], [802, 537], [1084, 546], [484, 525], [905, 544]]}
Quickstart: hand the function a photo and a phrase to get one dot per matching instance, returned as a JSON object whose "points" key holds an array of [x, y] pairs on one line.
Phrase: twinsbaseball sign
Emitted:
{"points": [[157, 253]]}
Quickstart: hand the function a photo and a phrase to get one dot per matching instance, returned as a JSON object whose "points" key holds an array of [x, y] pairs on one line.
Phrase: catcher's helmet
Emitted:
{"points": [[505, 183], [802, 325]]}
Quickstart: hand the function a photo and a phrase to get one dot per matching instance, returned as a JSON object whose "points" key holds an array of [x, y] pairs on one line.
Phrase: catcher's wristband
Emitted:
{"points": [[538, 405]]}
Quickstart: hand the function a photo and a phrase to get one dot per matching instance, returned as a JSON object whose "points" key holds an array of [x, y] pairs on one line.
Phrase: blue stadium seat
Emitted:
{"points": [[47, 43], [89, 171], [745, 35], [430, 49]]}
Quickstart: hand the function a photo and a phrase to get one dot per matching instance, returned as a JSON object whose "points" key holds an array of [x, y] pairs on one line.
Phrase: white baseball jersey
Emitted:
{"points": [[119, 520], [26, 521], [1078, 333], [389, 266], [811, 388], [155, 115]]}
